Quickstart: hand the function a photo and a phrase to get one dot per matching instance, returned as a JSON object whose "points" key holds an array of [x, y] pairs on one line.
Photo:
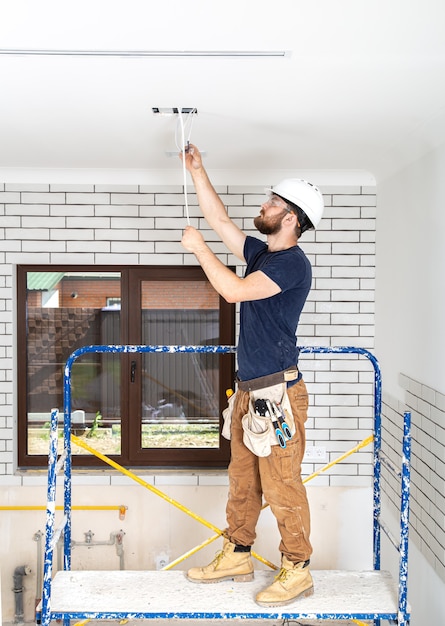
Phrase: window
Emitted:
{"points": [[142, 409]]}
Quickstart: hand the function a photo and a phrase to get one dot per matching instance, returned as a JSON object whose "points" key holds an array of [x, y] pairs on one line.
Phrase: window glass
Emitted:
{"points": [[66, 311], [180, 391]]}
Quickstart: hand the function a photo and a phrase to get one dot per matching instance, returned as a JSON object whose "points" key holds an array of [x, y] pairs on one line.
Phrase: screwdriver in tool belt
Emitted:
{"points": [[278, 432], [282, 417]]}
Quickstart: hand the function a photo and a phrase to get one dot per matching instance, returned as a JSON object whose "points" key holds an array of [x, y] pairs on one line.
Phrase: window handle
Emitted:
{"points": [[133, 371]]}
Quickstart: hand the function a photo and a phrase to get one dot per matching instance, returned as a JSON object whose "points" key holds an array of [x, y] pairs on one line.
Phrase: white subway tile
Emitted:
{"points": [[65, 234], [116, 188], [171, 247], [73, 258], [27, 257], [357, 294], [11, 221], [354, 272], [368, 211], [87, 198], [87, 246], [91, 222], [39, 221], [76, 187], [339, 236], [130, 246], [108, 210], [25, 187], [354, 225], [27, 233], [337, 307], [49, 246], [9, 197], [42, 198], [338, 260], [428, 394], [337, 330], [161, 189], [368, 236], [170, 223], [161, 259], [354, 200], [26, 209], [118, 259], [342, 212], [121, 223], [109, 234], [365, 249], [84, 210]]}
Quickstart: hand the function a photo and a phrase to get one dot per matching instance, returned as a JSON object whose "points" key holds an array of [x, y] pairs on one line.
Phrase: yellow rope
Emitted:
{"points": [[190, 552], [344, 456], [158, 492], [79, 442]]}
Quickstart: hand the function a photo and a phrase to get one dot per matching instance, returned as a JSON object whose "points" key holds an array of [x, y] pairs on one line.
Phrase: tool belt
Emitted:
{"points": [[267, 428], [254, 384], [262, 428]]}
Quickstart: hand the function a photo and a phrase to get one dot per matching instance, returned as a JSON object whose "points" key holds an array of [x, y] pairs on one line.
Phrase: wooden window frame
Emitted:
{"points": [[130, 319]]}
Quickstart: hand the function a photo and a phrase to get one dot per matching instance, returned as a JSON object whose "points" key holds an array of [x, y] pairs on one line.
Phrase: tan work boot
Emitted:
{"points": [[293, 581], [227, 565]]}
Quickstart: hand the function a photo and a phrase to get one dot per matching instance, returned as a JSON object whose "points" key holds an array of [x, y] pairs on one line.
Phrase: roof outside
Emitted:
{"points": [[43, 281]]}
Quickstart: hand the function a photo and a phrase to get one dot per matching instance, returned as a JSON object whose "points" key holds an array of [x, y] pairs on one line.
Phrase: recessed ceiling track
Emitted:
{"points": [[151, 53]]}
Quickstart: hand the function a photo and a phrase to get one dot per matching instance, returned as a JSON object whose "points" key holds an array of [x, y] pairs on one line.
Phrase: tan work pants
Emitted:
{"points": [[277, 477]]}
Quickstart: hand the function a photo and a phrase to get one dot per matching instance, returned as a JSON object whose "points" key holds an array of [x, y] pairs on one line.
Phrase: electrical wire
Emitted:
{"points": [[185, 127]]}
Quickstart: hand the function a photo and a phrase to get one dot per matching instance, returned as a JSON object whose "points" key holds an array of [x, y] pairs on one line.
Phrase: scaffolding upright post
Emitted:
{"points": [[404, 521]]}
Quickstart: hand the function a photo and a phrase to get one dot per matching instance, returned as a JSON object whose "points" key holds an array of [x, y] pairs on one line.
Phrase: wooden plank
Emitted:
{"points": [[168, 594]]}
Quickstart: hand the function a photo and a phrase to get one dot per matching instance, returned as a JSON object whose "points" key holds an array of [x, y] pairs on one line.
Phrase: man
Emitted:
{"points": [[272, 294]]}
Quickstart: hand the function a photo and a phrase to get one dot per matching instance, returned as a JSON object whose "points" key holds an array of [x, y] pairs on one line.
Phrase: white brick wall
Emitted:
{"points": [[427, 515], [131, 224]]}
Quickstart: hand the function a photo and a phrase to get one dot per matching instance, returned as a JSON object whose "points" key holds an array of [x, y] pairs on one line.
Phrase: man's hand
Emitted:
{"points": [[211, 205], [193, 159], [192, 240]]}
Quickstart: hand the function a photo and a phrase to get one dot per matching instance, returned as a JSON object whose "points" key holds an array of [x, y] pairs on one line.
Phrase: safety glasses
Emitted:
{"points": [[273, 200]]}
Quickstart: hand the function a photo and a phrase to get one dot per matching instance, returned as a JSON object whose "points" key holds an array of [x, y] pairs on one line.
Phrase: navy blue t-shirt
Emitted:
{"points": [[267, 341]]}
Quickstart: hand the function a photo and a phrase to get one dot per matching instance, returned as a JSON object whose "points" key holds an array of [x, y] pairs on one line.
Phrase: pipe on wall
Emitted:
{"points": [[116, 539], [19, 572], [39, 568]]}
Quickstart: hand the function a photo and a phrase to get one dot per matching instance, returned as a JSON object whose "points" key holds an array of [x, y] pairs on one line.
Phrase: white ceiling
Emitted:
{"points": [[362, 87]]}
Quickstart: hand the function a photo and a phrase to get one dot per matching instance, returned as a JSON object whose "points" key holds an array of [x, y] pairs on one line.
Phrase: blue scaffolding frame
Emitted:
{"points": [[400, 616]]}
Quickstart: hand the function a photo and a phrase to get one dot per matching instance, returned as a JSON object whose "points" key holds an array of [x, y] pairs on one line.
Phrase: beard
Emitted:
{"points": [[269, 226]]}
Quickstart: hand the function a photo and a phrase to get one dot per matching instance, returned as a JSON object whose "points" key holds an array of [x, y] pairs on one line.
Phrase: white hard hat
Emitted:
{"points": [[304, 194]]}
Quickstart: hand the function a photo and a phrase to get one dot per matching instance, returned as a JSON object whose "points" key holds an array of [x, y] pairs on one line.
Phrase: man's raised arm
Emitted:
{"points": [[212, 206]]}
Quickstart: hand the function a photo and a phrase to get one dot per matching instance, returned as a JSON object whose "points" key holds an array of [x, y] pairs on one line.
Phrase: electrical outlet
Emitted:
{"points": [[161, 561], [315, 454]]}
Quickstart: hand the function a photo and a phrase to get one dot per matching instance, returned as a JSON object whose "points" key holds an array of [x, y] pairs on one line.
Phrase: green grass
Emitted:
{"points": [[181, 435]]}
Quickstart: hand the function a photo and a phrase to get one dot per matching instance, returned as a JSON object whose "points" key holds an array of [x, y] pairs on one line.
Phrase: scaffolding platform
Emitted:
{"points": [[167, 594], [337, 594]]}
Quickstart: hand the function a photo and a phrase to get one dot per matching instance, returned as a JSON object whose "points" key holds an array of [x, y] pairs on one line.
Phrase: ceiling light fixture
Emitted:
{"points": [[151, 53], [174, 110]]}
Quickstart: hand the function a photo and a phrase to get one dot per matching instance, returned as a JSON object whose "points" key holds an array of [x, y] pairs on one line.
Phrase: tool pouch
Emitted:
{"points": [[259, 432], [227, 417]]}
